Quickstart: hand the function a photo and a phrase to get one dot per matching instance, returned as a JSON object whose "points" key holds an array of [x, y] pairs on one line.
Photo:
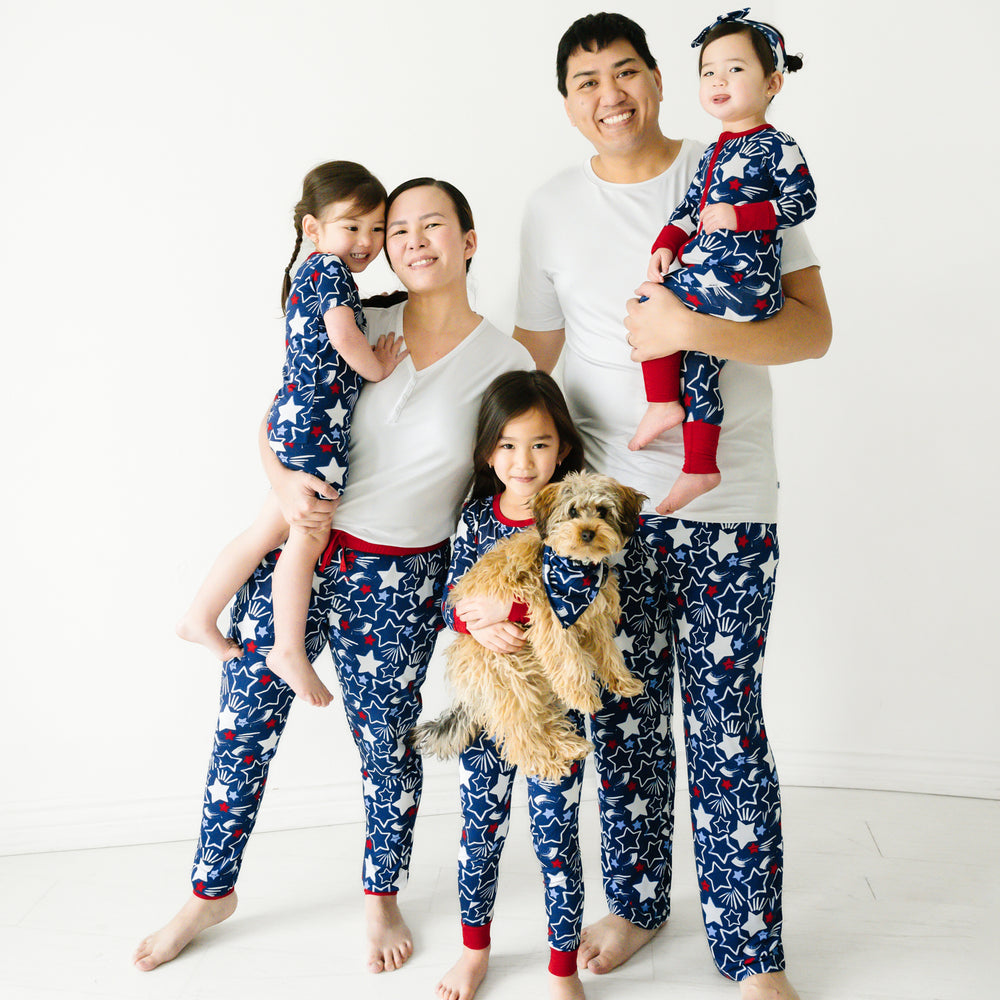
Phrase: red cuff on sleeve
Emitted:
{"points": [[459, 625], [518, 613], [671, 237], [701, 442], [755, 215], [662, 378]]}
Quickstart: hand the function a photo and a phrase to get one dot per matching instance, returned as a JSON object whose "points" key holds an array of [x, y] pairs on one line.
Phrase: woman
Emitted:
{"points": [[379, 584]]}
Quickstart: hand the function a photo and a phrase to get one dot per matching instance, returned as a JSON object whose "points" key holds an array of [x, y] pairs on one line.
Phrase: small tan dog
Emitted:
{"points": [[521, 698]]}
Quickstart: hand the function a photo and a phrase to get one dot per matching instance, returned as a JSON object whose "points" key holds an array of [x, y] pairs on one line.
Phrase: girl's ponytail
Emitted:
{"points": [[286, 283]]}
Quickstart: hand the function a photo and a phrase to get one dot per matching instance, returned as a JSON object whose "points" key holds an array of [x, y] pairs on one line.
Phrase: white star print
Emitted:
{"points": [[681, 535], [721, 647], [702, 818], [572, 794], [695, 255], [426, 590], [725, 545], [270, 743], [713, 913], [630, 727], [201, 871], [744, 834], [287, 412], [694, 724], [683, 629], [559, 879], [646, 888], [218, 791], [369, 663], [769, 566], [248, 628], [755, 924], [733, 167], [405, 801], [371, 869], [499, 789], [463, 774], [730, 745], [332, 473], [336, 413], [624, 642], [227, 719], [638, 807], [790, 158], [298, 323], [391, 577]]}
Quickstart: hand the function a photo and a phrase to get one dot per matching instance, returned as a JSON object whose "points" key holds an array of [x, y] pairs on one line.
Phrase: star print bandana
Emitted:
{"points": [[571, 585], [740, 17]]}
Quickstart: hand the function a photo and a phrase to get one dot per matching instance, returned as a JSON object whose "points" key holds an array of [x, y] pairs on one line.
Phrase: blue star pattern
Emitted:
{"points": [[380, 615], [571, 585], [308, 426], [706, 588]]}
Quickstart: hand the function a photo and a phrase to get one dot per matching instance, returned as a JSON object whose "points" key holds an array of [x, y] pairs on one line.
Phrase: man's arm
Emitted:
{"points": [[802, 328], [544, 346]]}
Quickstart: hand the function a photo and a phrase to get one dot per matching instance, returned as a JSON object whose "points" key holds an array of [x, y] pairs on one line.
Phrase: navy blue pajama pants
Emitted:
{"points": [[706, 588], [380, 615]]}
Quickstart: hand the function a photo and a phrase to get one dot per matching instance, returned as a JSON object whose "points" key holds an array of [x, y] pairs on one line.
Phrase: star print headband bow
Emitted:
{"points": [[740, 17]]}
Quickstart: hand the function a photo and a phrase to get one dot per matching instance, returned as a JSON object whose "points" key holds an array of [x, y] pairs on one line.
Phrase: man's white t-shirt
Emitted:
{"points": [[585, 247], [412, 437]]}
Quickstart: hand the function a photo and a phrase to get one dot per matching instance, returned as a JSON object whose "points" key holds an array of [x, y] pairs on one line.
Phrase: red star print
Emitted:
{"points": [[803, 171], [697, 793], [767, 542], [742, 541], [251, 647], [753, 848], [737, 278], [612, 744], [760, 304], [687, 399], [314, 275], [270, 723], [693, 299], [734, 184], [631, 786], [728, 663], [369, 640], [705, 887], [316, 431], [290, 387], [264, 679], [369, 845], [727, 784], [760, 640], [765, 239], [365, 589], [224, 807], [556, 863], [344, 623], [295, 299], [248, 759], [640, 867], [768, 918], [712, 591], [229, 734], [326, 447], [237, 834]]}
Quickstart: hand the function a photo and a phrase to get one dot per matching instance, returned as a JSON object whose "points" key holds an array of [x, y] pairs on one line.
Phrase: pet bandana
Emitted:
{"points": [[740, 17], [571, 585]]}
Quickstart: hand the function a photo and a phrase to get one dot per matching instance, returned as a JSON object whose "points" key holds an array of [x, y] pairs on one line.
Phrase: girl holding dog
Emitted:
{"points": [[378, 586], [525, 439]]}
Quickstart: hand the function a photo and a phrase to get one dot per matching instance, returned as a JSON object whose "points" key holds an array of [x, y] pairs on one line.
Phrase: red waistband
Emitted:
{"points": [[342, 540]]}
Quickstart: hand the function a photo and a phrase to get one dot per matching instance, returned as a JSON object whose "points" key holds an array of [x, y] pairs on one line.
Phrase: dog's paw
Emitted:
{"points": [[628, 687]]}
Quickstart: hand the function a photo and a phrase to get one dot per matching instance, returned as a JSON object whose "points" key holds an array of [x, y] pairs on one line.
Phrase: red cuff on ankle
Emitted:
{"points": [[202, 895], [371, 892], [662, 378], [701, 442], [476, 938], [562, 963]]}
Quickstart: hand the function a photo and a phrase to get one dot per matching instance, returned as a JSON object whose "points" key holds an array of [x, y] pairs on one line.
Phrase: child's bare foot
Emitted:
{"points": [[462, 980], [658, 418], [688, 486], [566, 987], [390, 943], [294, 668], [767, 986], [169, 941], [196, 628], [611, 942]]}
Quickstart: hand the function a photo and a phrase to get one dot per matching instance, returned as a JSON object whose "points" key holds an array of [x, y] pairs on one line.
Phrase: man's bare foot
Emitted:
{"points": [[169, 941], [767, 986], [688, 486], [566, 987], [611, 942], [390, 943], [658, 418], [294, 668], [196, 628], [462, 980]]}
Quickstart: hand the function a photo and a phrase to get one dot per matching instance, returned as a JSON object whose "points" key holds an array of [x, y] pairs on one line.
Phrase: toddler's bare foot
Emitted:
{"points": [[566, 987], [169, 941], [658, 418], [688, 486], [767, 986], [390, 943], [294, 668], [611, 942], [462, 980], [196, 628]]}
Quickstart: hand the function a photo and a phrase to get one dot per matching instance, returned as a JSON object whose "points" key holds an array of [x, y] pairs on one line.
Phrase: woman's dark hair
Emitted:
{"points": [[595, 32], [761, 46], [338, 180], [458, 200], [509, 396]]}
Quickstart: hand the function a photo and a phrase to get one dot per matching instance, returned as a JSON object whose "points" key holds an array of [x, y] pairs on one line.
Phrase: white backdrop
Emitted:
{"points": [[151, 158]]}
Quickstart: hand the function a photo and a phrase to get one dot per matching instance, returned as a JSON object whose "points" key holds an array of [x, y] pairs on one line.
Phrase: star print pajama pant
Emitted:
{"points": [[706, 588], [486, 785], [380, 614]]}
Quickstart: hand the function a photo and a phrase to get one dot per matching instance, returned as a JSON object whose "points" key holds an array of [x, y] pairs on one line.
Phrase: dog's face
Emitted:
{"points": [[586, 517]]}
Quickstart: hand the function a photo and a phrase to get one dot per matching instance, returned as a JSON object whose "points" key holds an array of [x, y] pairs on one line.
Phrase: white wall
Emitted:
{"points": [[151, 158]]}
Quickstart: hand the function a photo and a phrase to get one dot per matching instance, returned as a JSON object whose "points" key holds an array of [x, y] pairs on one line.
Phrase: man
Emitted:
{"points": [[702, 582]]}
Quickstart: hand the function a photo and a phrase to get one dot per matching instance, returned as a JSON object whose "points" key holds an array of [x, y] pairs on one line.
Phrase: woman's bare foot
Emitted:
{"points": [[462, 980], [196, 628], [611, 942], [566, 987], [390, 943], [688, 486], [767, 986], [658, 418], [169, 941], [294, 668]]}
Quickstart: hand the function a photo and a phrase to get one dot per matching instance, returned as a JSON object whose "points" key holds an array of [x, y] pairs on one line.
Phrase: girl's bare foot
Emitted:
{"points": [[462, 980], [390, 943], [196, 628], [169, 941], [767, 986], [611, 942], [658, 418], [688, 486], [566, 987], [294, 668]]}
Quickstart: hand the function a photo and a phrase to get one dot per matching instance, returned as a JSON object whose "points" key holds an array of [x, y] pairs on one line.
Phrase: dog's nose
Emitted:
{"points": [[586, 535]]}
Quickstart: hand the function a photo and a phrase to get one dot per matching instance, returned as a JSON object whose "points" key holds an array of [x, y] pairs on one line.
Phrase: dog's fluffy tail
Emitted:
{"points": [[447, 735]]}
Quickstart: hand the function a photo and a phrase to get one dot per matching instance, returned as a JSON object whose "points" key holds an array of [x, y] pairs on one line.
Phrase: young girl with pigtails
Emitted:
{"points": [[327, 359], [525, 439], [725, 235]]}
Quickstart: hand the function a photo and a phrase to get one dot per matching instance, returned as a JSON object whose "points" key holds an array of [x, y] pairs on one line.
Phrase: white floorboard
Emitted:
{"points": [[888, 896]]}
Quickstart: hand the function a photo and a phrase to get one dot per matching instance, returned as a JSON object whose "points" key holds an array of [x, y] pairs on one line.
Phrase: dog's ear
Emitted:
{"points": [[543, 505], [630, 505]]}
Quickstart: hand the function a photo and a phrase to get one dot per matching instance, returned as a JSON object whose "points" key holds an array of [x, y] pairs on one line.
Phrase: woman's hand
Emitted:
{"points": [[658, 326], [480, 611], [503, 637], [296, 495], [389, 350]]}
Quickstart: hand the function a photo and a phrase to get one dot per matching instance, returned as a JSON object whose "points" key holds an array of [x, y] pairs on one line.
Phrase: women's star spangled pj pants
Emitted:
{"points": [[707, 588], [380, 615]]}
